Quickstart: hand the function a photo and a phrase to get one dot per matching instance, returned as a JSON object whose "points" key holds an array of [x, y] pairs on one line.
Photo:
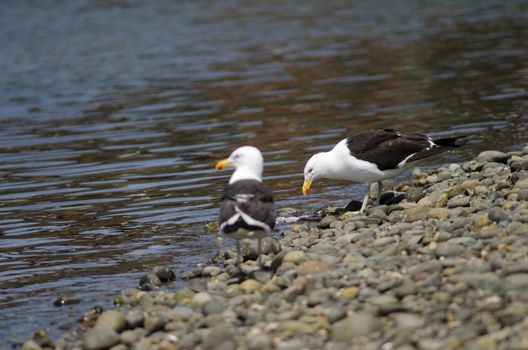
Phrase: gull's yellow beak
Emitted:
{"points": [[224, 163], [306, 186]]}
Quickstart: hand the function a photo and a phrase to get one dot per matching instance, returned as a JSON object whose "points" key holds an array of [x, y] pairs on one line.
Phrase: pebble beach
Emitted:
{"points": [[446, 268]]}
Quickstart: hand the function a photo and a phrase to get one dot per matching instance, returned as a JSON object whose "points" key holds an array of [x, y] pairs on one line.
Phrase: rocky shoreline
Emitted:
{"points": [[446, 268]]}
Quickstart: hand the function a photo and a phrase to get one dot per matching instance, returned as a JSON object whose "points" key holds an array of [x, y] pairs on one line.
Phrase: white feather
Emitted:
{"points": [[252, 222], [339, 164]]}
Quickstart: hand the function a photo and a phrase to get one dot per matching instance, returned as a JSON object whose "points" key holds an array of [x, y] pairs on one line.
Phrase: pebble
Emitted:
{"points": [[149, 282], [523, 194], [414, 194], [212, 271], [188, 341], [350, 292], [111, 319], [484, 343], [134, 318], [335, 314], [497, 214], [219, 338], [516, 281], [294, 344], [478, 280], [250, 286], [326, 222], [438, 213], [295, 257], [415, 214], [449, 249], [260, 342], [355, 325], [199, 299], [481, 221], [214, 306], [164, 273], [129, 337], [30, 345], [493, 156], [408, 320], [99, 339], [312, 267], [459, 201], [521, 184], [42, 339], [152, 324], [124, 347]]}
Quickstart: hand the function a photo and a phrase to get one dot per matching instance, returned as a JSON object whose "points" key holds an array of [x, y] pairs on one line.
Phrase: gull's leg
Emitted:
{"points": [[259, 251], [238, 253], [380, 188], [365, 200]]}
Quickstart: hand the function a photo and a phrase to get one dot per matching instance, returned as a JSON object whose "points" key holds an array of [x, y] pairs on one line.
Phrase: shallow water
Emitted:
{"points": [[112, 114]]}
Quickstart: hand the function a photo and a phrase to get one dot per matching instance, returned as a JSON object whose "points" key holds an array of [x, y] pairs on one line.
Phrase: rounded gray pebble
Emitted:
{"points": [[134, 318], [214, 306], [219, 337], [458, 201], [188, 341], [100, 339], [294, 344], [493, 156], [335, 314], [497, 214], [129, 337], [449, 249], [356, 325], [260, 342]]}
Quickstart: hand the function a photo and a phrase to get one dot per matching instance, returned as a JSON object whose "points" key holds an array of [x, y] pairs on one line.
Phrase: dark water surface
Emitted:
{"points": [[112, 114]]}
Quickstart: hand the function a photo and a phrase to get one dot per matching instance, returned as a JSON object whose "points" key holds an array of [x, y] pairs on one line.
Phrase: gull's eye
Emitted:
{"points": [[310, 170], [236, 156]]}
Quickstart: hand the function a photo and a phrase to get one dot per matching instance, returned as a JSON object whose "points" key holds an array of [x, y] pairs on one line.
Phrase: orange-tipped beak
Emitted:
{"points": [[224, 163], [306, 187]]}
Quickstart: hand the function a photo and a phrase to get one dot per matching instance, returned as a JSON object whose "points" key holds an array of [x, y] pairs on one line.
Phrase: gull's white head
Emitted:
{"points": [[248, 163], [314, 168]]}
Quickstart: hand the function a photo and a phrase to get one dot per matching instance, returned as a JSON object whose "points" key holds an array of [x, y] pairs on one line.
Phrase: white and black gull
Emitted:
{"points": [[372, 156], [246, 208]]}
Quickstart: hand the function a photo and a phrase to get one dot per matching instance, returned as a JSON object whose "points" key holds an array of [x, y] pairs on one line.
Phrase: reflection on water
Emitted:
{"points": [[112, 114]]}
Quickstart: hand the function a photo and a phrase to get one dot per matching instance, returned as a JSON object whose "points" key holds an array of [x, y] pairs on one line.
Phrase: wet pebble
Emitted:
{"points": [[326, 222], [149, 282], [164, 273], [30, 345]]}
